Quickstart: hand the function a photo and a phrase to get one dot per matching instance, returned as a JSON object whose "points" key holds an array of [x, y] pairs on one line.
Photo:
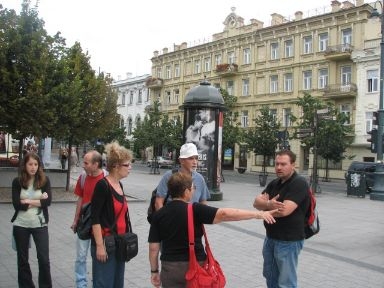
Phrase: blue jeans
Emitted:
{"points": [[109, 274], [40, 237], [280, 262], [82, 247]]}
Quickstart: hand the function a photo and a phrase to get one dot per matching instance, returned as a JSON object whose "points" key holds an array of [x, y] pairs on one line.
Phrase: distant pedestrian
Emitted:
{"points": [[63, 157], [284, 240], [31, 196], [92, 168]]}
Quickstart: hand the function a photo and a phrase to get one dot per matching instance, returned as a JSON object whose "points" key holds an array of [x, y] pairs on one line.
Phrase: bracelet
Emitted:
{"points": [[155, 271]]}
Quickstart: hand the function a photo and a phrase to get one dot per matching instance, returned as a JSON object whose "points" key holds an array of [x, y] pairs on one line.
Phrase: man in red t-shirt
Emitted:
{"points": [[92, 164]]}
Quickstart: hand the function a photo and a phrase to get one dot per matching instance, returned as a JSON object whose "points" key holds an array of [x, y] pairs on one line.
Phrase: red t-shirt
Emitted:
{"points": [[89, 187], [120, 223]]}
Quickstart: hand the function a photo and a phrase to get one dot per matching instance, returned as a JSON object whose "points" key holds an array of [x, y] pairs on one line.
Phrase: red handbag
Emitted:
{"points": [[210, 274]]}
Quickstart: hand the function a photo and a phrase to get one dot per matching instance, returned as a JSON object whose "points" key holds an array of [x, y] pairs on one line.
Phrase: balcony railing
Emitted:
{"points": [[154, 82], [339, 90], [227, 69], [338, 52]]}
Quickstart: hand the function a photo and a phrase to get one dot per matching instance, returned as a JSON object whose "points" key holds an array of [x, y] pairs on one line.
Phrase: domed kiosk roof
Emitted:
{"points": [[204, 95]]}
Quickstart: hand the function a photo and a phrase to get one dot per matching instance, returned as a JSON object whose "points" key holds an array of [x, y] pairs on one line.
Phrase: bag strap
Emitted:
{"points": [[112, 228], [191, 235]]}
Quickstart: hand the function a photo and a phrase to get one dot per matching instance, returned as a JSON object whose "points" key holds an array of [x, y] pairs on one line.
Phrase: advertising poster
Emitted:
{"points": [[201, 131]]}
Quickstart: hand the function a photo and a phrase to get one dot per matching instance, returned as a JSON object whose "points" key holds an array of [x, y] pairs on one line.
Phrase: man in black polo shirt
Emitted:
{"points": [[284, 240]]}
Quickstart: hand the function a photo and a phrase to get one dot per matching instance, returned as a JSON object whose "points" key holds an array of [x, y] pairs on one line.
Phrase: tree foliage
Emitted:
{"points": [[263, 138], [232, 132]]}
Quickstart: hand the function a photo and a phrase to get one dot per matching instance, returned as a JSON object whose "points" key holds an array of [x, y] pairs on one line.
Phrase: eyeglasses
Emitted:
{"points": [[126, 165]]}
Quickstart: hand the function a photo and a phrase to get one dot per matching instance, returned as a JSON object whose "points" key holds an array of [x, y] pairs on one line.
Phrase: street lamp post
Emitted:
{"points": [[378, 187], [379, 145]]}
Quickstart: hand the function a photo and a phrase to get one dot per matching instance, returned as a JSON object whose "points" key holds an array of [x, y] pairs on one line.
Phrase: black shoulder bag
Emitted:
{"points": [[125, 246]]}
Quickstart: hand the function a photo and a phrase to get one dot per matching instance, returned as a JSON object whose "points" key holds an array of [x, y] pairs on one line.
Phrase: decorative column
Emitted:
{"points": [[203, 125]]}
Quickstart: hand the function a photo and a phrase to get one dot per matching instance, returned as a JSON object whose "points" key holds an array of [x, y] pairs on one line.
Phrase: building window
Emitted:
{"points": [[323, 41], [197, 66], [147, 95], [167, 97], [218, 59], [129, 126], [140, 97], [323, 78], [288, 49], [123, 98], [247, 56], [346, 35], [368, 121], [273, 113], [177, 70], [307, 44], [130, 97], [346, 109], [287, 117], [274, 87], [244, 119], [158, 72], [346, 75], [307, 80], [207, 64], [245, 87], [168, 72], [373, 80], [176, 95], [274, 51], [230, 87], [231, 57], [288, 82]]}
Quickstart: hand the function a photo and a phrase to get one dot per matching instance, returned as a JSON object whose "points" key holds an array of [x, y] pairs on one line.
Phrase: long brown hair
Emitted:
{"points": [[40, 178]]}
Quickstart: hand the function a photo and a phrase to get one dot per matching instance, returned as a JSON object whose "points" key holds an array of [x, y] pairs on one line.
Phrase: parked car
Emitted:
{"points": [[162, 162], [368, 168]]}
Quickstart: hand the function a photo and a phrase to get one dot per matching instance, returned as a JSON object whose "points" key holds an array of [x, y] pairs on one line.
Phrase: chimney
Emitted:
{"points": [[184, 45], [359, 3], [298, 15], [347, 5], [257, 23], [277, 19], [335, 5], [155, 53], [165, 50], [128, 75]]}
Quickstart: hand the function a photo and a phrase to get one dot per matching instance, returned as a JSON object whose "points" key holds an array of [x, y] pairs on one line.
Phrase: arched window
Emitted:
{"points": [[129, 126]]}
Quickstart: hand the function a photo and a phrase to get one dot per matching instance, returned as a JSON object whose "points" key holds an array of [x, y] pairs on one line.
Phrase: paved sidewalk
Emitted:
{"points": [[348, 252]]}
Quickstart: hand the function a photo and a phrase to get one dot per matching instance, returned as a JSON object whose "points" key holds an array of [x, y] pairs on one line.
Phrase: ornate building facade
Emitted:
{"points": [[332, 55]]}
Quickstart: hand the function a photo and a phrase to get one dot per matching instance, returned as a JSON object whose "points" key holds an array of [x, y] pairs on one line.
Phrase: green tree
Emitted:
{"points": [[232, 132], [330, 134], [27, 58], [263, 138]]}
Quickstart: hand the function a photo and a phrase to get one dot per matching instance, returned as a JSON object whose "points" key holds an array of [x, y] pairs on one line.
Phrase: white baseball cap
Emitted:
{"points": [[188, 150]]}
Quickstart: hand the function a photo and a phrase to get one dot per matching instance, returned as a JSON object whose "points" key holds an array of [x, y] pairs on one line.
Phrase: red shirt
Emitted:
{"points": [[89, 186]]}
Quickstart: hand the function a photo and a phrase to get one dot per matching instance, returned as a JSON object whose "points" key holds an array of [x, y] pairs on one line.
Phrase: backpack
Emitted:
{"points": [[84, 224], [312, 226], [151, 207]]}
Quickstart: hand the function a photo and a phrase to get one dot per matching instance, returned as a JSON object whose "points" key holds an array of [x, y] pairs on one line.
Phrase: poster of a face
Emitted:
{"points": [[201, 131]]}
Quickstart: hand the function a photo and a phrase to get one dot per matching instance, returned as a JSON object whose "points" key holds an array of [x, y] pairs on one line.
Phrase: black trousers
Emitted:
{"points": [[40, 237]]}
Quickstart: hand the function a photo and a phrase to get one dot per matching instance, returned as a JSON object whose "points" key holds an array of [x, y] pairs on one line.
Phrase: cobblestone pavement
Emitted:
{"points": [[347, 253]]}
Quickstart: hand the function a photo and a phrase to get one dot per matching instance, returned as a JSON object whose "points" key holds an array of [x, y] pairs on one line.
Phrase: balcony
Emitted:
{"points": [[227, 69], [154, 82], [340, 91], [339, 52]]}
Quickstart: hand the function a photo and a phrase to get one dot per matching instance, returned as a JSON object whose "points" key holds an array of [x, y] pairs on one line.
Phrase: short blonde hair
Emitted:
{"points": [[116, 154]]}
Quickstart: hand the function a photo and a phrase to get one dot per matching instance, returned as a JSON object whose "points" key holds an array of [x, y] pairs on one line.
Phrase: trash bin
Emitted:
{"points": [[263, 179], [356, 184]]}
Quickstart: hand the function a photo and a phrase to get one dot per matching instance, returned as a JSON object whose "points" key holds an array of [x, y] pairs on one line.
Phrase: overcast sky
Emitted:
{"points": [[121, 35]]}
